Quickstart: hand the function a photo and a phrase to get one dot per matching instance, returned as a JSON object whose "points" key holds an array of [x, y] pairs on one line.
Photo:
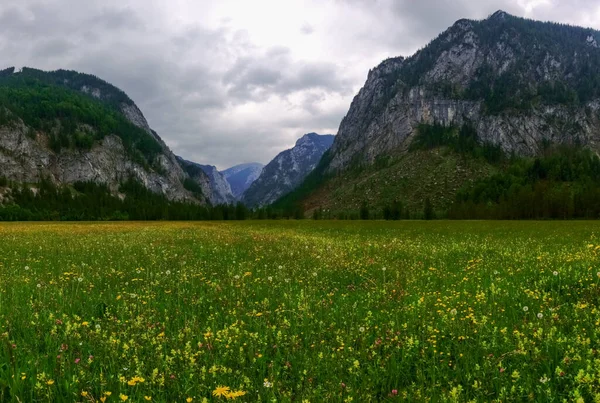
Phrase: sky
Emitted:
{"points": [[225, 82]]}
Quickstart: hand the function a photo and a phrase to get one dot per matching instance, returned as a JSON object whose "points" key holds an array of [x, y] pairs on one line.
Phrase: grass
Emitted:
{"points": [[409, 178], [300, 311]]}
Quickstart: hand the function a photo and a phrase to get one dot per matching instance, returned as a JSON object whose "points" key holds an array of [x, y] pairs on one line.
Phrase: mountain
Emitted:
{"points": [[480, 92], [287, 170], [518, 82], [219, 191], [69, 128], [240, 177]]}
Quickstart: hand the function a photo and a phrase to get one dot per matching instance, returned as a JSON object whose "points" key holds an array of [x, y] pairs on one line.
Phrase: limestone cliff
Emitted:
{"points": [[520, 83]]}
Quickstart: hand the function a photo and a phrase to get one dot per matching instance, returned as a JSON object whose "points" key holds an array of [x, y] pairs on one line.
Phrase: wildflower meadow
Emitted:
{"points": [[300, 311]]}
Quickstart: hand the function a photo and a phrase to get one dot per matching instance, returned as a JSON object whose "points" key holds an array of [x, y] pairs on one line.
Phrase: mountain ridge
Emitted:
{"points": [[72, 127], [287, 170], [241, 176]]}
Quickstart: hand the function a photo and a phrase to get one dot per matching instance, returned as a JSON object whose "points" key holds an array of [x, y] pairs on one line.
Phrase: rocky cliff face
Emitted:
{"points": [[25, 154], [287, 170], [240, 177], [219, 191], [520, 83]]}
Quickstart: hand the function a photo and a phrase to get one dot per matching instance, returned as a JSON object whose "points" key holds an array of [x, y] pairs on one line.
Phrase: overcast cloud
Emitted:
{"points": [[231, 81]]}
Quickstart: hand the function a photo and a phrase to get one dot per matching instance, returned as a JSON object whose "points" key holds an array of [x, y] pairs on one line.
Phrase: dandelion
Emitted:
{"points": [[234, 394], [98, 327], [540, 315], [39, 285], [168, 272], [315, 274], [221, 391], [280, 267], [383, 269], [453, 311], [84, 394], [555, 273], [270, 278], [361, 329], [148, 398], [237, 277], [525, 308], [26, 267], [189, 400], [50, 382], [80, 279]]}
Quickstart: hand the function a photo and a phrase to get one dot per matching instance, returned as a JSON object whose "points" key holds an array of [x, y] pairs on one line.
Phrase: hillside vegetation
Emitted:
{"points": [[68, 117]]}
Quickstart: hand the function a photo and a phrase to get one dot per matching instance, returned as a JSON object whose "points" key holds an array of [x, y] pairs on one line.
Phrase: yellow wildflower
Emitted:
{"points": [[221, 391]]}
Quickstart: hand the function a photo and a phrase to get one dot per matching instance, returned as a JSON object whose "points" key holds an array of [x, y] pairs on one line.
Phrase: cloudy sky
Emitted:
{"points": [[231, 81]]}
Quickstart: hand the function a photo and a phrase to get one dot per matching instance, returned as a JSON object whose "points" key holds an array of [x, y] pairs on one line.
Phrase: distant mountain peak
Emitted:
{"points": [[241, 176], [314, 137], [499, 15], [287, 170]]}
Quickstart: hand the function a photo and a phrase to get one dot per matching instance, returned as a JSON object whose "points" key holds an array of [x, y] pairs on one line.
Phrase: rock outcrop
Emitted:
{"points": [[218, 191]]}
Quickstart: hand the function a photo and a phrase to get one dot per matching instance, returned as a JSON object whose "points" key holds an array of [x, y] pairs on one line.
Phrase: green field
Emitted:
{"points": [[300, 311]]}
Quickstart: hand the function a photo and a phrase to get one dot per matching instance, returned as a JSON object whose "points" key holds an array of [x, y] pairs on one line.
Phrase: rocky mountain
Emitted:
{"points": [[240, 177], [286, 171], [519, 83], [70, 128], [219, 191], [481, 90]]}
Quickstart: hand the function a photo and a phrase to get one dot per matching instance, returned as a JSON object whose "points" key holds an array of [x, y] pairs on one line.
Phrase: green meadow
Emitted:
{"points": [[300, 311]]}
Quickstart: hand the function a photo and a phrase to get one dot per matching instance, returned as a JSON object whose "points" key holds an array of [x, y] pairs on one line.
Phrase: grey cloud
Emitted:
{"points": [[53, 48], [276, 73], [117, 19], [307, 28]]}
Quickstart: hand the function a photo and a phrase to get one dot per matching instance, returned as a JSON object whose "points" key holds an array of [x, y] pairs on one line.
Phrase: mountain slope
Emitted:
{"points": [[287, 170], [501, 86], [520, 83], [219, 191], [240, 177], [70, 127]]}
